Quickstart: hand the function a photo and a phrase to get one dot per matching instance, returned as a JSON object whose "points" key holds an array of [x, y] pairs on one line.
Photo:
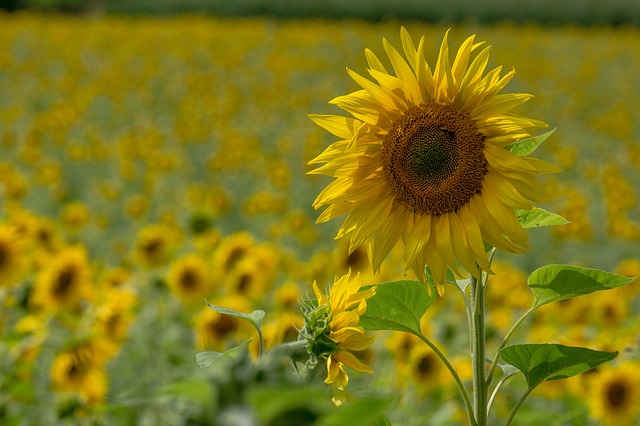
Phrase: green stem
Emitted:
{"points": [[478, 352], [454, 373], [515, 407], [494, 364], [495, 392]]}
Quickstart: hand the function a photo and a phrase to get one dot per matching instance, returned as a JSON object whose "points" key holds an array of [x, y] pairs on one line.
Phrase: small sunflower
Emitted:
{"points": [[64, 281], [114, 316], [287, 295], [231, 251], [425, 160], [333, 332], [249, 279], [188, 279], [80, 369], [11, 257], [153, 245], [614, 398], [282, 328]]}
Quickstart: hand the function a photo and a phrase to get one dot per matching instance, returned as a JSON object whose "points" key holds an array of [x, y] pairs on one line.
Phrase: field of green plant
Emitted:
{"points": [[149, 163]]}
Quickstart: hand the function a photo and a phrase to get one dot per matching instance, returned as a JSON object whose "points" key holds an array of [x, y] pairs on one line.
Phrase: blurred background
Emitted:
{"points": [[154, 154], [547, 12]]}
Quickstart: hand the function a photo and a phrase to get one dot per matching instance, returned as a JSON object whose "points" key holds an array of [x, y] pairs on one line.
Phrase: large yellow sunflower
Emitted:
{"points": [[424, 160]]}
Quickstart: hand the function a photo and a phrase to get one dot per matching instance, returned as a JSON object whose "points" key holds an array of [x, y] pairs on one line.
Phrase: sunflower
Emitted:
{"points": [[282, 328], [425, 160], [11, 257], [64, 281], [188, 279], [80, 369], [232, 250], [615, 398], [424, 368], [333, 333], [114, 316], [154, 245]]}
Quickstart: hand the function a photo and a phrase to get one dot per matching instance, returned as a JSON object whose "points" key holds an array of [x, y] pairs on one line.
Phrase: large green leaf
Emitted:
{"points": [[552, 283], [540, 362], [398, 305], [539, 217], [527, 146]]}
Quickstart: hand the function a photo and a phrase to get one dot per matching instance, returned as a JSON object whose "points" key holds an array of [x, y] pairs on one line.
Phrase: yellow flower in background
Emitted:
{"points": [[614, 398], [64, 282], [115, 277], [189, 279], [281, 328], [424, 160], [249, 279], [114, 316], [154, 245], [231, 250], [342, 336], [75, 215], [287, 295], [12, 263], [424, 368], [80, 369]]}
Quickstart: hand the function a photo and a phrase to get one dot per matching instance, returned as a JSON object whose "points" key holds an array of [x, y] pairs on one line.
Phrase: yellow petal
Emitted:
{"points": [[461, 245], [349, 360], [386, 236], [443, 242], [416, 237], [342, 127], [374, 62]]}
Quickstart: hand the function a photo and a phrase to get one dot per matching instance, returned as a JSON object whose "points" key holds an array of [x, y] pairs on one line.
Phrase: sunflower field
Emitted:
{"points": [[152, 165]]}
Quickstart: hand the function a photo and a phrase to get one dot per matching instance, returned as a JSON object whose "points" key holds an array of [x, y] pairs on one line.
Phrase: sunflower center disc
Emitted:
{"points": [[433, 158]]}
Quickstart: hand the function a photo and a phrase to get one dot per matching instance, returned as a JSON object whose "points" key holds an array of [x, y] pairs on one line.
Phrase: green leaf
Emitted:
{"points": [[552, 283], [539, 217], [255, 317], [527, 146], [205, 359], [398, 305], [363, 412], [540, 362]]}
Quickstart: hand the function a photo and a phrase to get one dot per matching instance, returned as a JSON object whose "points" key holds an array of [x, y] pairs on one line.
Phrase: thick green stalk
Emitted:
{"points": [[478, 352]]}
